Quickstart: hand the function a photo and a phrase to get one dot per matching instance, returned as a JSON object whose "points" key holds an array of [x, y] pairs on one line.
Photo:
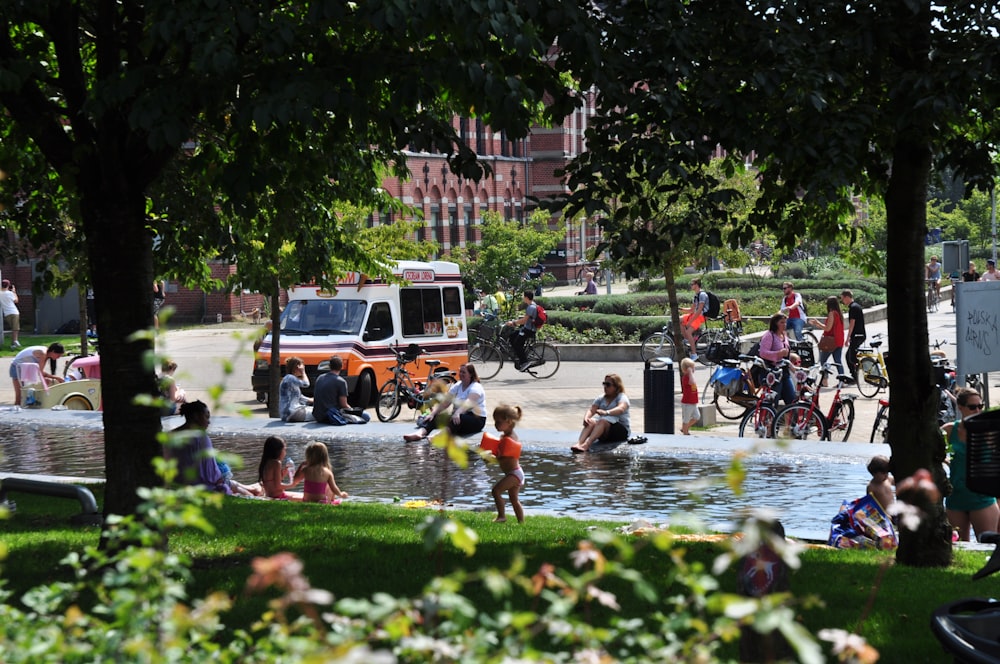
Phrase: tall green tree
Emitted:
{"points": [[506, 251], [833, 99], [110, 91]]}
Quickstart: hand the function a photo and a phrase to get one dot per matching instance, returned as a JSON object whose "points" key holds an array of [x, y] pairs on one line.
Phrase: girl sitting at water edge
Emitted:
{"points": [[320, 485], [271, 474]]}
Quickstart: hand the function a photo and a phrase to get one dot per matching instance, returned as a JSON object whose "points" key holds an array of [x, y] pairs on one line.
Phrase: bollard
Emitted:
{"points": [[658, 397]]}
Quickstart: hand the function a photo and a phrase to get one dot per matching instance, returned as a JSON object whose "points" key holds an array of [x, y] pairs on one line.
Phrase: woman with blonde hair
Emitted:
{"points": [[607, 419]]}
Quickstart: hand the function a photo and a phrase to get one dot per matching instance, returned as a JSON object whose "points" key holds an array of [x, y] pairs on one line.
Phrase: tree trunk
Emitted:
{"points": [[119, 248], [914, 436], [673, 311], [274, 370]]}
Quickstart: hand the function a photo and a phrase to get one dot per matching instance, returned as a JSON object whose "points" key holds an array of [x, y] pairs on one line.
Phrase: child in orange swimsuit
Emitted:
{"points": [[318, 476], [271, 473], [507, 451]]}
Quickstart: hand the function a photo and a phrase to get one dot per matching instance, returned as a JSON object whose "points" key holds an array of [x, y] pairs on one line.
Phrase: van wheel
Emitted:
{"points": [[363, 393]]}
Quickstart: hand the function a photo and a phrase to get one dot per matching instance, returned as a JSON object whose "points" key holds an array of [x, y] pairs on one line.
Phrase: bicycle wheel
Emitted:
{"points": [[706, 339], [487, 359], [658, 347], [880, 432], [869, 379], [810, 336], [543, 360], [842, 421], [735, 406], [757, 422], [799, 422], [387, 405]]}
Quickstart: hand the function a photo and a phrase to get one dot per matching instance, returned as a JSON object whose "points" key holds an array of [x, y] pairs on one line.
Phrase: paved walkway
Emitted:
{"points": [[553, 408]]}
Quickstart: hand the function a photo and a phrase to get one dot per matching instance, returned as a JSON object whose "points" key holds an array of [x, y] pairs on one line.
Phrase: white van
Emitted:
{"points": [[363, 319]]}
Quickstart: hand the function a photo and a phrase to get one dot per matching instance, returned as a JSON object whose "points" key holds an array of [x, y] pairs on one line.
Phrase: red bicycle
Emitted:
{"points": [[805, 419]]}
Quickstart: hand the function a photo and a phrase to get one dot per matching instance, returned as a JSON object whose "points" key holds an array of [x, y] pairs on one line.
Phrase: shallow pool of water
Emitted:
{"points": [[627, 483]]}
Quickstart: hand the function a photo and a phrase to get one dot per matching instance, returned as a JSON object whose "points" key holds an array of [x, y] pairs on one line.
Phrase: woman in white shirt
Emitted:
{"points": [[468, 416]]}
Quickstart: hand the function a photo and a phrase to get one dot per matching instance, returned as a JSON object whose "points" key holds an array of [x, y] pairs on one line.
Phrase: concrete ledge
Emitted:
{"points": [[707, 415]]}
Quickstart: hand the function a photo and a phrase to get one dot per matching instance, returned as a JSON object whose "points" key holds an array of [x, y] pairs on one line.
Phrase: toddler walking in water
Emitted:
{"points": [[507, 450], [320, 485]]}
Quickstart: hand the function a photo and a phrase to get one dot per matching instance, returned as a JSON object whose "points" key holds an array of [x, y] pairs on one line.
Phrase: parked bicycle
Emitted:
{"points": [[732, 388], [873, 374], [402, 389], [880, 430], [759, 421], [593, 268], [661, 345], [493, 348], [806, 419]]}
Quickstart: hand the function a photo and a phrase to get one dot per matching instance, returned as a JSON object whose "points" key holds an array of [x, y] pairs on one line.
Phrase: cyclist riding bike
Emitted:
{"points": [[933, 272], [527, 332]]}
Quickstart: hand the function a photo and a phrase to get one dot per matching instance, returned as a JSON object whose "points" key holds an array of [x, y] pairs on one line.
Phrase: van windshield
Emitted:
{"points": [[321, 317]]}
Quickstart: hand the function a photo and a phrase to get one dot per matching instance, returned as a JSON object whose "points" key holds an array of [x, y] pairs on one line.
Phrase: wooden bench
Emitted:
{"points": [[88, 516]]}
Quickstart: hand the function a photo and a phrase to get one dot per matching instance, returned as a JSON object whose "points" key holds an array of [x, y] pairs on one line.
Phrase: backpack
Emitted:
{"points": [[541, 318], [714, 306]]}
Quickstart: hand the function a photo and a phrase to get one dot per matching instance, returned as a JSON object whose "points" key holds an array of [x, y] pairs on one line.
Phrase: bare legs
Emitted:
{"points": [[981, 520], [512, 485], [592, 432]]}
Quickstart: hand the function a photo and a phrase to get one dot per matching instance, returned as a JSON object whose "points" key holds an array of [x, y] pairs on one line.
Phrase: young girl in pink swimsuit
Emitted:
{"points": [[320, 485], [271, 471]]}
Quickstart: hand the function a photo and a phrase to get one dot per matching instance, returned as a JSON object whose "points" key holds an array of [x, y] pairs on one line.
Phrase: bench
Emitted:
{"points": [[89, 515]]}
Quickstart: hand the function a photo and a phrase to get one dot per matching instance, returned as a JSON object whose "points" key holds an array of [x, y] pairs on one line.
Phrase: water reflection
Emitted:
{"points": [[626, 483]]}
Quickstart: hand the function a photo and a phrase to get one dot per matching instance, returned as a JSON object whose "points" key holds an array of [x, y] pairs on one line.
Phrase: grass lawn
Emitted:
{"points": [[357, 549]]}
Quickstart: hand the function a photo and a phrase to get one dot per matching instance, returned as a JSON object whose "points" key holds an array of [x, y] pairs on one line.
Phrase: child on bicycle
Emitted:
{"points": [[689, 397], [507, 450]]}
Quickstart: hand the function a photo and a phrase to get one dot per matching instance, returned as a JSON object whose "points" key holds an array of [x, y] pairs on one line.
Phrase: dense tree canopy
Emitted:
{"points": [[109, 92], [832, 99]]}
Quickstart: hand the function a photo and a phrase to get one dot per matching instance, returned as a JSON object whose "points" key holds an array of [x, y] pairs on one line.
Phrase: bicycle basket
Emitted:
{"points": [[726, 381], [982, 470], [718, 351], [804, 350], [412, 352]]}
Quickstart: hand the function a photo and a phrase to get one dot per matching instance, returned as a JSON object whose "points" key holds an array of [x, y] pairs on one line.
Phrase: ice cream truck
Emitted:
{"points": [[363, 319]]}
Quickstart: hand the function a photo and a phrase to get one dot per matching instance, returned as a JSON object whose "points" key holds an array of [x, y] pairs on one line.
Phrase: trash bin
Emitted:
{"points": [[982, 472], [658, 397]]}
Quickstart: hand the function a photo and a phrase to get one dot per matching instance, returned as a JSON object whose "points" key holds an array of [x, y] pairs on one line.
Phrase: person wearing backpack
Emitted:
{"points": [[794, 309], [534, 317], [694, 317]]}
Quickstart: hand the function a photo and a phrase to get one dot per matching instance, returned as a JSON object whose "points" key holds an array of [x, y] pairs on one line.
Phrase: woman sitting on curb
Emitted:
{"points": [[607, 418]]}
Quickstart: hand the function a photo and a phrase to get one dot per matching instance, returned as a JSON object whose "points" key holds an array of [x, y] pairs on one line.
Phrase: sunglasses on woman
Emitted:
{"points": [[974, 406]]}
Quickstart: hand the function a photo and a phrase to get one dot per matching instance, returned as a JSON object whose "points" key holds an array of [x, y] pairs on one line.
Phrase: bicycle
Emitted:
{"points": [[594, 269], [493, 347], [760, 419], [880, 430], [805, 418], [401, 388], [661, 345], [932, 296], [733, 388], [872, 373]]}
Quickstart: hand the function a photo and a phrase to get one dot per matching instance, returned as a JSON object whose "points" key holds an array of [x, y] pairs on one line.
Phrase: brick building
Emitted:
{"points": [[452, 209]]}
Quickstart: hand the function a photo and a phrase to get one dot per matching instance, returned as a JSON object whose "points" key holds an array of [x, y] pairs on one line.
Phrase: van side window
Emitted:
{"points": [[421, 311], [379, 322], [453, 305]]}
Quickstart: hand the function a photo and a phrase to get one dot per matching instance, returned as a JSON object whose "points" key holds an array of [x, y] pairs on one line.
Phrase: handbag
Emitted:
{"points": [[827, 344]]}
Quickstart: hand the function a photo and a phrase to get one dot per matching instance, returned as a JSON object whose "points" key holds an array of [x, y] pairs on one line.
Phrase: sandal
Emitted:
{"points": [[577, 449], [637, 440]]}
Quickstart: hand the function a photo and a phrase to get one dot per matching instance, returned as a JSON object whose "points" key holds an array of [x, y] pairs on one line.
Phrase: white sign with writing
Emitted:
{"points": [[977, 326]]}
